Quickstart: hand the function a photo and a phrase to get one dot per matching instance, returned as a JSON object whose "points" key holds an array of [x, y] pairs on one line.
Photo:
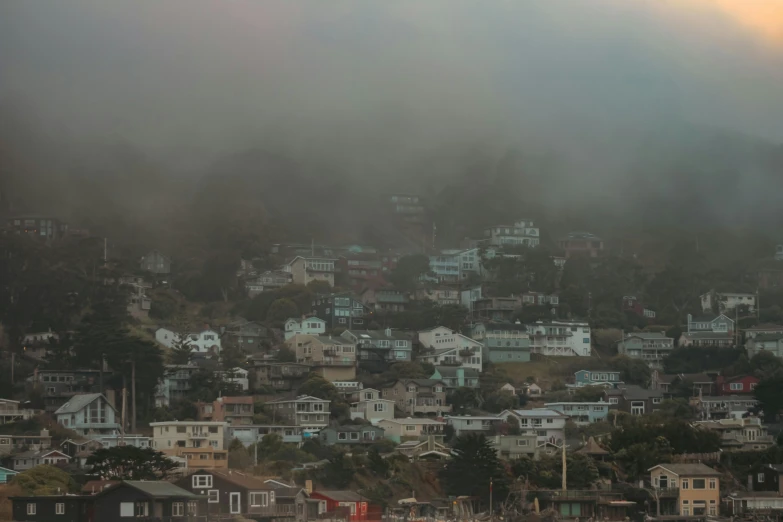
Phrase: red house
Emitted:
{"points": [[347, 502], [742, 384]]}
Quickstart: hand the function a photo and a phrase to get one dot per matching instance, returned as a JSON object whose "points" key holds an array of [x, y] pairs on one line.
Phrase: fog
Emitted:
{"points": [[398, 92]]}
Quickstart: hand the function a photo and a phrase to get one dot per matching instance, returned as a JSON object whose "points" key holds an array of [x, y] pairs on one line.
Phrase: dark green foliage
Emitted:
{"points": [[338, 472], [769, 393], [463, 399], [130, 463], [677, 408], [317, 386], [424, 314], [632, 371], [180, 350], [473, 465], [284, 354], [44, 480], [547, 472], [207, 385], [377, 463], [280, 310], [681, 436], [501, 400], [406, 276], [693, 359]]}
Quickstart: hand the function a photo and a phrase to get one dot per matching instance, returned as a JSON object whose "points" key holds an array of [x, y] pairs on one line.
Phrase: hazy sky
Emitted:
{"points": [[395, 74]]}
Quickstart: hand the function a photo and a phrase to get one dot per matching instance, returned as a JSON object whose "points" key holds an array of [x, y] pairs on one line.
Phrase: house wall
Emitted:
{"points": [[165, 436]]}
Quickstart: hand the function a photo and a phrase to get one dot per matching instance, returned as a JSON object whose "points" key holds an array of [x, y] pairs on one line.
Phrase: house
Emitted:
{"points": [[279, 376], [305, 411], [521, 233], [442, 295], [558, 338], [128, 439], [236, 376], [501, 309], [345, 505], [253, 434], [372, 407], [746, 504], [233, 410], [633, 305], [650, 347], [58, 386], [512, 447], [267, 281], [546, 424], [203, 342], [539, 299], [428, 447], [456, 377], [39, 226], [609, 378], [333, 358], [593, 450], [341, 311], [359, 267], [710, 323], [202, 443], [231, 492], [32, 458], [402, 430], [89, 414], [350, 434], [725, 301], [248, 335], [633, 399], [508, 388], [767, 478], [581, 413], [305, 270], [6, 474], [142, 500], [305, 325], [686, 489], [741, 384], [453, 266], [471, 423], [293, 502], [740, 434], [385, 300], [175, 385], [581, 244], [156, 262], [772, 343], [722, 407], [503, 342], [447, 347], [10, 443], [533, 390], [378, 348], [592, 504], [469, 296], [10, 412], [418, 396]]}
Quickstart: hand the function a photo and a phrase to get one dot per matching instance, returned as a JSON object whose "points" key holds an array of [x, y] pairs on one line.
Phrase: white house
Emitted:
{"points": [[371, 406], [548, 425], [450, 348], [204, 341], [726, 301], [520, 233], [471, 423], [560, 338], [305, 270], [89, 414], [305, 325]]}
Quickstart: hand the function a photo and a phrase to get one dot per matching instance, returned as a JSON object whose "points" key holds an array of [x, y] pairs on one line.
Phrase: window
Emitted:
{"points": [[177, 509], [351, 505], [523, 442], [713, 483], [31, 509], [614, 400], [656, 400], [259, 499], [685, 483], [59, 508], [550, 421], [410, 427], [699, 484], [192, 508], [202, 481], [354, 435], [142, 509], [735, 386], [760, 478], [342, 435], [213, 496]]}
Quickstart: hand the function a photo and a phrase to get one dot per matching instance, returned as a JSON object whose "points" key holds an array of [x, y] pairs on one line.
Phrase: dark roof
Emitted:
{"points": [[380, 335], [77, 402], [708, 335], [768, 337], [421, 382], [690, 469], [762, 327], [156, 489], [286, 492], [632, 392], [341, 496]]}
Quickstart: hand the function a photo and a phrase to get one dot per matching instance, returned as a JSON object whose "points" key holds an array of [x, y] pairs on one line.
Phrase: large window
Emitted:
{"points": [[178, 509], [142, 509], [31, 509], [699, 484], [202, 481], [213, 496], [259, 499]]}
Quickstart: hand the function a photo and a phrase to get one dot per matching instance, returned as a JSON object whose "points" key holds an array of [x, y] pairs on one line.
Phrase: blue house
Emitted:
{"points": [[581, 412], [597, 378], [457, 376], [6, 475]]}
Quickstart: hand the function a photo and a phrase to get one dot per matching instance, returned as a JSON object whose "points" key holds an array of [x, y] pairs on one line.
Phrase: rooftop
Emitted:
{"points": [[159, 489], [768, 337], [342, 496], [688, 469], [78, 402], [411, 420], [539, 412], [648, 335]]}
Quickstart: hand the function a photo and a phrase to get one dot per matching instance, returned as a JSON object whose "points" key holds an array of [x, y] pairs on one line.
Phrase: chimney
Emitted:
{"points": [[309, 486]]}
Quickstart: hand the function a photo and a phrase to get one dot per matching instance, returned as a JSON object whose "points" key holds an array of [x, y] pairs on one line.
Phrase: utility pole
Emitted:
{"points": [[124, 407], [490, 499], [105, 251], [133, 394], [564, 466], [13, 359]]}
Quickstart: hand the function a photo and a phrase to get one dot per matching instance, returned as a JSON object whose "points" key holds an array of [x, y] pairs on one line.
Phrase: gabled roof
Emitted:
{"points": [[306, 398], [768, 337], [699, 470], [155, 489], [78, 402], [39, 454], [238, 478], [592, 448]]}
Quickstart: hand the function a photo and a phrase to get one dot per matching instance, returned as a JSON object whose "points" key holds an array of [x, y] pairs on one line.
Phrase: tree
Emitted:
{"points": [[499, 401], [378, 464], [285, 354], [180, 349], [207, 385], [339, 471], [409, 271], [675, 409], [462, 399], [765, 364], [282, 309], [473, 465], [317, 386], [768, 393], [238, 456], [131, 463], [632, 371], [44, 480], [269, 445]]}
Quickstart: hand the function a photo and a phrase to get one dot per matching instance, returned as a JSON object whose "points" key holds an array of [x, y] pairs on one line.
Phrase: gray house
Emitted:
{"points": [[351, 434], [503, 341], [156, 262], [378, 348], [772, 343], [651, 347]]}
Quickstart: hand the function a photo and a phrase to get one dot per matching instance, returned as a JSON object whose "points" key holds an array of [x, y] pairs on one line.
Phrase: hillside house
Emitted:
{"points": [[471, 423], [418, 396], [305, 270], [686, 489], [10, 412], [521, 233], [447, 347], [32, 458], [156, 262], [377, 349], [305, 411], [235, 411], [740, 434], [231, 492], [727, 301], [500, 309], [385, 300], [89, 415], [723, 407], [305, 326], [350, 435], [456, 377], [581, 413], [633, 399], [175, 385], [650, 347], [581, 244], [372, 407], [772, 343], [503, 342], [341, 311], [201, 342], [267, 281], [333, 358], [560, 338], [510, 447], [202, 443], [607, 378], [546, 424], [738, 385], [345, 505], [407, 429], [279, 376]]}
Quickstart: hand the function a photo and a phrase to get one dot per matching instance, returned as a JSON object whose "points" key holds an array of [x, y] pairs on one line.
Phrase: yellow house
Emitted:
{"points": [[686, 489]]}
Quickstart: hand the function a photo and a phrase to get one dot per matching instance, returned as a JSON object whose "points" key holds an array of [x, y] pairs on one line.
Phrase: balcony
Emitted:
{"points": [[199, 435], [667, 492]]}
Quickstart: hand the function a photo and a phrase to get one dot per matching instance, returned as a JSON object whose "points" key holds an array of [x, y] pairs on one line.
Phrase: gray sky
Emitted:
{"points": [[404, 74]]}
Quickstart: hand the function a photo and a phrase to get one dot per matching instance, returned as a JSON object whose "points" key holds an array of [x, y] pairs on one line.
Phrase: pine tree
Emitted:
{"points": [[474, 464]]}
